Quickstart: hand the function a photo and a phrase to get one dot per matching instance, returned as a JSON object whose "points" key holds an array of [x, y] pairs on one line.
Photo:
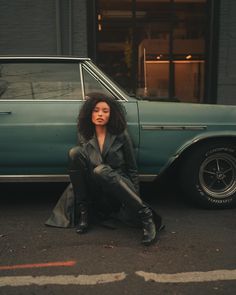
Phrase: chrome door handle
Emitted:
{"points": [[5, 113]]}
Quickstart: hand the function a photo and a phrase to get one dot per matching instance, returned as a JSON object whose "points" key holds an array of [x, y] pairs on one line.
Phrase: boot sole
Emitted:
{"points": [[82, 231], [159, 229]]}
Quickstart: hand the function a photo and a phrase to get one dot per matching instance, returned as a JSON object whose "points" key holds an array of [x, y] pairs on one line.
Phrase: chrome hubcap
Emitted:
{"points": [[217, 175]]}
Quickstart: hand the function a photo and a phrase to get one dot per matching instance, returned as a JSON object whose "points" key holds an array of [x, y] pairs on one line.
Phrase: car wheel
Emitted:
{"points": [[208, 175]]}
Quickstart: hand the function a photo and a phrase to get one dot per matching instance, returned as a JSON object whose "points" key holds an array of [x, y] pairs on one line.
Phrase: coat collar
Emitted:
{"points": [[110, 138], [94, 143]]}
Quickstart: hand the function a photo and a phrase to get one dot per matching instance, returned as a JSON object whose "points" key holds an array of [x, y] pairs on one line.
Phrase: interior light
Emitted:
{"points": [[189, 56], [99, 21]]}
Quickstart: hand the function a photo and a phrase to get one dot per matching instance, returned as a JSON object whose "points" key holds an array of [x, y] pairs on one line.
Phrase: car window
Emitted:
{"points": [[92, 84], [40, 81]]}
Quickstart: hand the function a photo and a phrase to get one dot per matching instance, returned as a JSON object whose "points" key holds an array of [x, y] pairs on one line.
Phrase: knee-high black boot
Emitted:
{"points": [[82, 225], [118, 186], [134, 201], [149, 226], [81, 204], [77, 168]]}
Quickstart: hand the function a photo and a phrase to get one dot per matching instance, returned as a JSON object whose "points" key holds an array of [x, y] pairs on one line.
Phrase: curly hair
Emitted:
{"points": [[117, 120]]}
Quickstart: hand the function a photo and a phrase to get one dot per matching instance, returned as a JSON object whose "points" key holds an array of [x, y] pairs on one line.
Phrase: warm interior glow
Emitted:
{"points": [[161, 38]]}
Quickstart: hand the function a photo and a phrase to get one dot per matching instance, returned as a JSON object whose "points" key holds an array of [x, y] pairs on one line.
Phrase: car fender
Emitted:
{"points": [[200, 138]]}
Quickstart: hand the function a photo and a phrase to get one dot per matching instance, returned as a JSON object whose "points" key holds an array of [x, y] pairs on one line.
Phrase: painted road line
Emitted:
{"points": [[16, 281], [38, 265], [189, 277]]}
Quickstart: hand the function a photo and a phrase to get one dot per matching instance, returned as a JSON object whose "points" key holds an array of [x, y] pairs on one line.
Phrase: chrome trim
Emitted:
{"points": [[56, 178], [5, 113], [40, 100], [46, 58], [34, 178], [82, 80], [174, 127], [38, 124]]}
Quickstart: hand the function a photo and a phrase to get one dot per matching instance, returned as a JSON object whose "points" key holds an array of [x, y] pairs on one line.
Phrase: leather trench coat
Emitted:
{"points": [[118, 153]]}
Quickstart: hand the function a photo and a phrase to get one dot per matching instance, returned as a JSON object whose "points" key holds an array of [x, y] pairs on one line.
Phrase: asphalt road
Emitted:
{"points": [[196, 254]]}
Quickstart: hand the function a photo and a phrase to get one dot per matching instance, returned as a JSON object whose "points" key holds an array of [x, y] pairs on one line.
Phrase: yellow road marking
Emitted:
{"points": [[189, 277], [62, 280]]}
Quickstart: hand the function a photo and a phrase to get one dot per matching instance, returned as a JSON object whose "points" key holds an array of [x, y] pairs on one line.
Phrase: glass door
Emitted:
{"points": [[155, 48]]}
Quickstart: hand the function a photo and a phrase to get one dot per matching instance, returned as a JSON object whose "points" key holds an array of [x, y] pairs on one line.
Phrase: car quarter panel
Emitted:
{"points": [[167, 128], [131, 108]]}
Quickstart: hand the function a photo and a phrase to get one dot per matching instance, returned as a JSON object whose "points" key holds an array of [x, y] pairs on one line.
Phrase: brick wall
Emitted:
{"points": [[79, 21], [227, 53], [43, 27]]}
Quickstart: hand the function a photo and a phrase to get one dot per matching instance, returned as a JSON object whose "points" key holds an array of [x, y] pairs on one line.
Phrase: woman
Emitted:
{"points": [[103, 169]]}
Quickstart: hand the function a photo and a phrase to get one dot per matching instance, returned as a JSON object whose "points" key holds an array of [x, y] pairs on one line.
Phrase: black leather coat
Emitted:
{"points": [[118, 153]]}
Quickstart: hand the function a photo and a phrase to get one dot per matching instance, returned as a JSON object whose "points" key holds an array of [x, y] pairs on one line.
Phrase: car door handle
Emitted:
{"points": [[5, 113]]}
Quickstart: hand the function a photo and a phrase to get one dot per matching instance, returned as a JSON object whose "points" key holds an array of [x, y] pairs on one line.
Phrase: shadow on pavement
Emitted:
{"points": [[28, 193], [157, 192]]}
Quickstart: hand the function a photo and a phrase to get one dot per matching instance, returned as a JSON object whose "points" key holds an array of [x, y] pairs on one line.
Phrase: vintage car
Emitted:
{"points": [[40, 98]]}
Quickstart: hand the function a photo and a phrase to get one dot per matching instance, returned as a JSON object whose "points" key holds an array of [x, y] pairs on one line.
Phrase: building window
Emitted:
{"points": [[154, 48]]}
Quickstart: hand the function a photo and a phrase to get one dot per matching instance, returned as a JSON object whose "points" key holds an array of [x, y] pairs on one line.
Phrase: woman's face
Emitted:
{"points": [[101, 114]]}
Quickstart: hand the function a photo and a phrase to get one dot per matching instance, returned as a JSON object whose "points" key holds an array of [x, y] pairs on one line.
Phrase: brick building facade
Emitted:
{"points": [[62, 27], [43, 27]]}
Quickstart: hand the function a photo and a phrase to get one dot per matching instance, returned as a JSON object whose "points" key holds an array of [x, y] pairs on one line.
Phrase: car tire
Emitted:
{"points": [[208, 175]]}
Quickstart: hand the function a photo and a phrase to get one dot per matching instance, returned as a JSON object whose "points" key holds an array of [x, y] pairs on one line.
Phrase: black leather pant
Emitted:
{"points": [[88, 180]]}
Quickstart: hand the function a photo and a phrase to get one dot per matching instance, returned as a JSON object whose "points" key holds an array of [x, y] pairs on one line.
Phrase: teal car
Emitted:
{"points": [[40, 98]]}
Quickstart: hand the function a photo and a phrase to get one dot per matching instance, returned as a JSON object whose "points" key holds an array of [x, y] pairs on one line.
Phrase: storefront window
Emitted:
{"points": [[155, 48]]}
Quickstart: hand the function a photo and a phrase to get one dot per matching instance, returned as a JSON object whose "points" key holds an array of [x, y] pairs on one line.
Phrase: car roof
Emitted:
{"points": [[42, 58]]}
